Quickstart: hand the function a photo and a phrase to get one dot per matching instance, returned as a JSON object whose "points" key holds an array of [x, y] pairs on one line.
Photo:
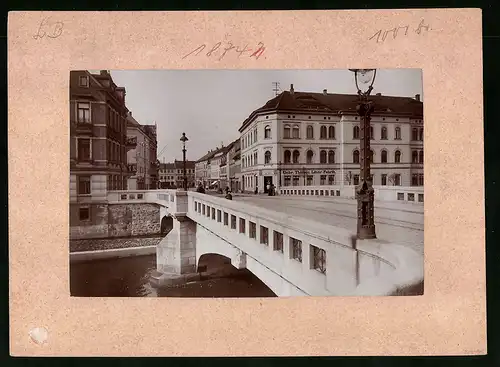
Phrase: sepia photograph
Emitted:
{"points": [[246, 183]]}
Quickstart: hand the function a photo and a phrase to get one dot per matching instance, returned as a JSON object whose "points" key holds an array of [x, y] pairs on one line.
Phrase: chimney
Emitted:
{"points": [[291, 89], [417, 97], [324, 92], [379, 94]]}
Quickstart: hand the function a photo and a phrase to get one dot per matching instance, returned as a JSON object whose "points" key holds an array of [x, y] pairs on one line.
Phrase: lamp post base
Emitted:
{"points": [[366, 233]]}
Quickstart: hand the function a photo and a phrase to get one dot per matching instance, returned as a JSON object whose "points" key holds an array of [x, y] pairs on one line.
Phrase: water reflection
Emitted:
{"points": [[129, 277]]}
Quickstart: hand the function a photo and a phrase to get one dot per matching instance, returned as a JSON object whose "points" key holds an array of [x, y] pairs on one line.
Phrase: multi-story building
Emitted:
{"points": [[234, 161], [302, 138], [172, 174], [142, 159], [202, 169], [98, 148]]}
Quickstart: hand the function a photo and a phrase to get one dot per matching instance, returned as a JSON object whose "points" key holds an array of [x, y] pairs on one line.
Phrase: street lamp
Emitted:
{"points": [[364, 191], [184, 139]]}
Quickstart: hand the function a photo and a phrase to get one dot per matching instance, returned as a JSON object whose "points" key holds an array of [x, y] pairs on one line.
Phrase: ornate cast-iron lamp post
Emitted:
{"points": [[184, 139], [364, 191]]}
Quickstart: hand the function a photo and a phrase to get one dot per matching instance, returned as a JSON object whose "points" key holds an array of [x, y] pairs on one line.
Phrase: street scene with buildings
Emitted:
{"points": [[182, 186]]}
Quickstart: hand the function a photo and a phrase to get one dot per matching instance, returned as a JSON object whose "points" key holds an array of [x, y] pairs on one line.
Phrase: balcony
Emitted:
{"points": [[131, 143], [132, 168]]}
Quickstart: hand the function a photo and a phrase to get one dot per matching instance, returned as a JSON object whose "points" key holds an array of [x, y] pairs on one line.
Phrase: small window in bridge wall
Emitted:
{"points": [[252, 230], [278, 241], [233, 221], [264, 235], [242, 225], [226, 219], [213, 213], [295, 249], [318, 259]]}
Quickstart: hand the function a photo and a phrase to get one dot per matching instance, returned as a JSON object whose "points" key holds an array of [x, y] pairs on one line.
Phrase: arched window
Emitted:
{"points": [[267, 132], [383, 133], [414, 134], [322, 156], [421, 134], [355, 156], [371, 156], [322, 132], [296, 132], [310, 155], [255, 158], [310, 132], [288, 156], [331, 132], [267, 157], [383, 156], [355, 132], [414, 156], [286, 132], [421, 156], [397, 156], [296, 156], [397, 133], [331, 156]]}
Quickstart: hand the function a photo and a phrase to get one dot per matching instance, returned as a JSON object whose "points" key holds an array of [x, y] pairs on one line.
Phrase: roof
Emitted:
{"points": [[309, 102], [214, 152]]}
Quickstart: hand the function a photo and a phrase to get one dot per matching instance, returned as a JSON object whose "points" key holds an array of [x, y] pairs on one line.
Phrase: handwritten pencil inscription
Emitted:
{"points": [[381, 35], [49, 28], [220, 49]]}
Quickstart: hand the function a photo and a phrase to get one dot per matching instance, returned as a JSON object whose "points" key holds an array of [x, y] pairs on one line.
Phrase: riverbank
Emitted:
{"points": [[112, 243]]}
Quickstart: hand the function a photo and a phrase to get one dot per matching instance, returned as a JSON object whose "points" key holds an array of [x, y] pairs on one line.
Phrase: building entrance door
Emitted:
{"points": [[268, 181]]}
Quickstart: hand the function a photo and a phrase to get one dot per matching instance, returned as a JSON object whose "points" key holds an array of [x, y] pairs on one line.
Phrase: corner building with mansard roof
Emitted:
{"points": [[312, 139]]}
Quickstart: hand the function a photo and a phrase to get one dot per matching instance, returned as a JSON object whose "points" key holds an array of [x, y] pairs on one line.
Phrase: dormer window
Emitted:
{"points": [[83, 81]]}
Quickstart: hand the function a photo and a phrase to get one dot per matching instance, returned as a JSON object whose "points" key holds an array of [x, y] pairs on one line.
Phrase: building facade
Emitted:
{"points": [[172, 174], [309, 139], [234, 161], [98, 147], [202, 169], [142, 159]]}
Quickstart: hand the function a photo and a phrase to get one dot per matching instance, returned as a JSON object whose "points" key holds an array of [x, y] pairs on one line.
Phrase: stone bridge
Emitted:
{"points": [[291, 255]]}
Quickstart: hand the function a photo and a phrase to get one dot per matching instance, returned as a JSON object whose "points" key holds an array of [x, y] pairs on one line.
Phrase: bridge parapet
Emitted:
{"points": [[318, 259], [411, 194]]}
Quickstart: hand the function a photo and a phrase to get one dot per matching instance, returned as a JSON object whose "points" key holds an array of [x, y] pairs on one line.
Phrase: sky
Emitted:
{"points": [[210, 105]]}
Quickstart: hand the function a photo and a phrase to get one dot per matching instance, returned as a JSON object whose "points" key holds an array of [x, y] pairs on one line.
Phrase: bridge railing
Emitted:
{"points": [[414, 194], [317, 258]]}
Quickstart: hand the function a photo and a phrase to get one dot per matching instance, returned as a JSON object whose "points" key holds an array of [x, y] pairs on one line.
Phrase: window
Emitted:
{"points": [[287, 180], [295, 249], [355, 156], [383, 133], [267, 157], [372, 134], [83, 112], [397, 179], [310, 132], [421, 134], [83, 81], [414, 179], [295, 181], [213, 213], [318, 259], [84, 213], [310, 155], [322, 156], [296, 156], [252, 230], [296, 132], [322, 132], [277, 241], [331, 180], [421, 156], [414, 134], [267, 132], [355, 132], [356, 179], [383, 156], [331, 156], [255, 158], [421, 179], [331, 132], [264, 235], [322, 180], [414, 156], [83, 185], [309, 180], [219, 215], [397, 156], [242, 225], [233, 221], [255, 136], [83, 149], [286, 132], [371, 156], [384, 179], [397, 133]]}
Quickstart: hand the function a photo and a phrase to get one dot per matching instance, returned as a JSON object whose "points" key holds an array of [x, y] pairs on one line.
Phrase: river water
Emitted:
{"points": [[129, 277]]}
